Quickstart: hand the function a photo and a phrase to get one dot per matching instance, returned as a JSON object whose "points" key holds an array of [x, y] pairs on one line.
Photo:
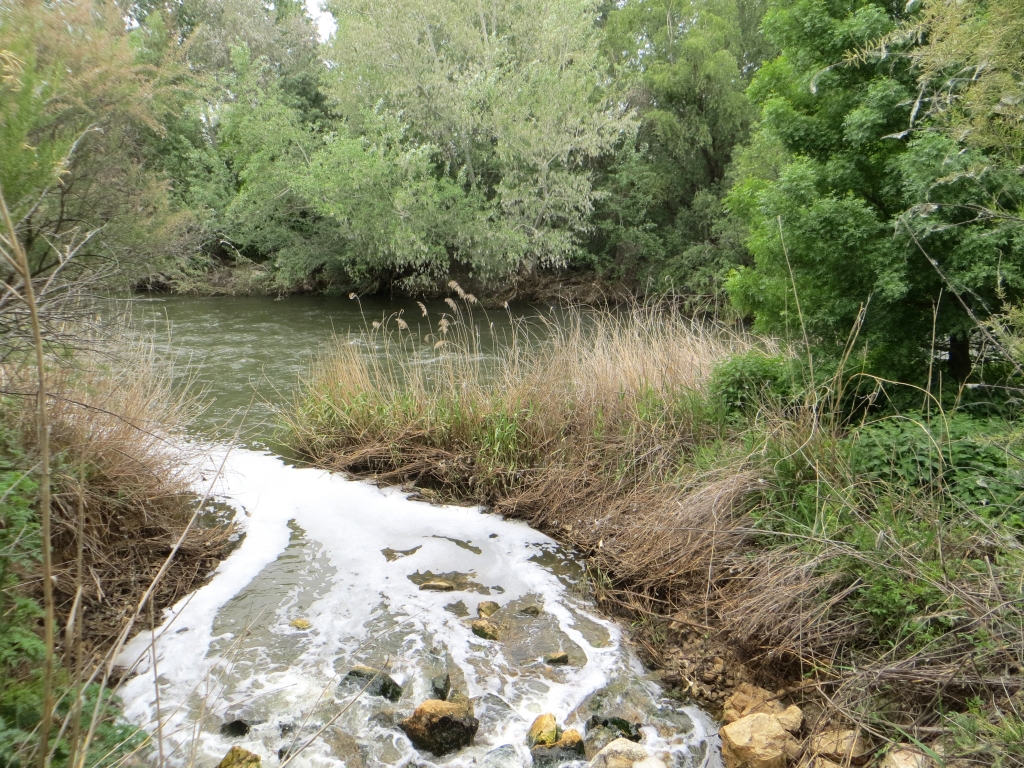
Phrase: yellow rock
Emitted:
{"points": [[571, 739], [543, 731], [486, 629], [300, 624], [487, 608], [840, 746], [239, 758]]}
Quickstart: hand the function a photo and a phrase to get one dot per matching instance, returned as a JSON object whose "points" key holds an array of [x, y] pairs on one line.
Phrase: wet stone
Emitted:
{"points": [[569, 748], [543, 731], [437, 586], [239, 758], [441, 686], [300, 624], [624, 728], [441, 727], [235, 728], [531, 610], [381, 685], [504, 756], [487, 608], [344, 747], [459, 609], [488, 630], [621, 753], [557, 659]]}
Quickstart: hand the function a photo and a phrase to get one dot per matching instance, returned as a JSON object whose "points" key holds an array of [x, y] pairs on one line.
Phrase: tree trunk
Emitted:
{"points": [[960, 356]]}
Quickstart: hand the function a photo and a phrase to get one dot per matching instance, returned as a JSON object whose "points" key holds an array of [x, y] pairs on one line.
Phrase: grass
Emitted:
{"points": [[871, 565], [122, 498]]}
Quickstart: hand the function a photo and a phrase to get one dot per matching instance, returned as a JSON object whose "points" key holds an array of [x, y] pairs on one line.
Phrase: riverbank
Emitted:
{"points": [[249, 278], [122, 508], [865, 570]]}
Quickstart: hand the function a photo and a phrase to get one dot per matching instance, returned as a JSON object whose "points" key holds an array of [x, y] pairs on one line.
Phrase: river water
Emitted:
{"points": [[232, 666]]}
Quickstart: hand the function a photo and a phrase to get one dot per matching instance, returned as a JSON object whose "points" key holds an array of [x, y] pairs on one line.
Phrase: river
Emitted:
{"points": [[327, 575]]}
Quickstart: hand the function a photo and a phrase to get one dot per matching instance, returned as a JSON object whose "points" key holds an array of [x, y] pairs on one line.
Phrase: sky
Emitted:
{"points": [[324, 20]]}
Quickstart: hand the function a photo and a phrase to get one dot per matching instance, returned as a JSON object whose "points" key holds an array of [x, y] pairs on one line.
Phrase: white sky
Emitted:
{"points": [[324, 20]]}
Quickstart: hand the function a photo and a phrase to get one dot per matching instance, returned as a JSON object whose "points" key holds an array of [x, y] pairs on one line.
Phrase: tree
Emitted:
{"points": [[508, 99], [684, 65], [837, 231]]}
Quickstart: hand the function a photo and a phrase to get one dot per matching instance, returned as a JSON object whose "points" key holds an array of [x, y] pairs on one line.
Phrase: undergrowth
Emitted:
{"points": [[869, 557], [121, 497]]}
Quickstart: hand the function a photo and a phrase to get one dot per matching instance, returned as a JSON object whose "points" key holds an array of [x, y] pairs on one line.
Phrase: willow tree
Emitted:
{"points": [[509, 101]]}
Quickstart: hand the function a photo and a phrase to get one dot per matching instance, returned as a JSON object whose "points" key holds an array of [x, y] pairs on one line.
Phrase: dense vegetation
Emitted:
{"points": [[854, 163], [843, 174]]}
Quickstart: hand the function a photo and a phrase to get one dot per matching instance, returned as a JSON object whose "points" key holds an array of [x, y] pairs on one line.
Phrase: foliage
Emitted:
{"points": [[21, 649], [869, 210], [684, 67], [750, 379]]}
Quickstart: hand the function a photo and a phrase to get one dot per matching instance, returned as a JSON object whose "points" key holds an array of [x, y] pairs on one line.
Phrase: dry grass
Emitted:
{"points": [[122, 485], [891, 606]]}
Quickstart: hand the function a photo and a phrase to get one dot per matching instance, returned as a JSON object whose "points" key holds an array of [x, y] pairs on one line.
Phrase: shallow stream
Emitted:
{"points": [[327, 575]]}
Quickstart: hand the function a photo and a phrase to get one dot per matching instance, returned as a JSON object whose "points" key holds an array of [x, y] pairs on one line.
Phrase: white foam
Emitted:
{"points": [[349, 588]]}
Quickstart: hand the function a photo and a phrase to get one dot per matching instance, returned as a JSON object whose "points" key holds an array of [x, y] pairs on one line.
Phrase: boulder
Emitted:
{"points": [[567, 749], [235, 728], [625, 728], [239, 758], [300, 624], [437, 585], [756, 741], [486, 629], [543, 731], [556, 659], [621, 753], [840, 746], [380, 683], [440, 727], [487, 608], [906, 756], [504, 756]]}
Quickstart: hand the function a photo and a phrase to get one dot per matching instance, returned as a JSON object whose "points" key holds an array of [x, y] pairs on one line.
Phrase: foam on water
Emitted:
{"points": [[349, 558]]}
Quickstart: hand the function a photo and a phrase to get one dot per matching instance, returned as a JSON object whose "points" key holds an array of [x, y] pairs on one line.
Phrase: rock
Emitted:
{"points": [[748, 699], [906, 756], [487, 608], [239, 758], [437, 585], [440, 727], [559, 658], [791, 718], [598, 737], [543, 731], [381, 685], [488, 630], [531, 610], [504, 756], [840, 746], [441, 686], [621, 753], [461, 701], [301, 624], [567, 749], [756, 741], [344, 747], [235, 728], [624, 728]]}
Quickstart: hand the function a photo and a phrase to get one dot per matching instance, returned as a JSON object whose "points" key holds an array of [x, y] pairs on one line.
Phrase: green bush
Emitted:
{"points": [[749, 378]]}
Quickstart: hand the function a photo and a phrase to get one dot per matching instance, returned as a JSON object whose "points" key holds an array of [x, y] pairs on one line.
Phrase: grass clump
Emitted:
{"points": [[871, 564]]}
